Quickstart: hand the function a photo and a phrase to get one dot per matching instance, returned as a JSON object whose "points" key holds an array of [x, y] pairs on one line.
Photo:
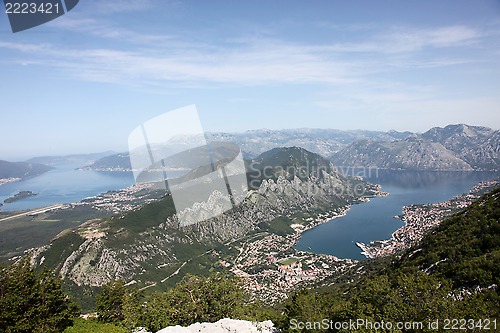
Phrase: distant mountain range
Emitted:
{"points": [[478, 146], [454, 147], [410, 153], [255, 142], [21, 169], [81, 159], [112, 162], [321, 141]]}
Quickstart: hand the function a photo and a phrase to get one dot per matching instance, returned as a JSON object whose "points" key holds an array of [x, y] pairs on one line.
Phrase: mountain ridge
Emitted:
{"points": [[453, 147], [477, 145], [21, 170], [408, 154], [72, 158]]}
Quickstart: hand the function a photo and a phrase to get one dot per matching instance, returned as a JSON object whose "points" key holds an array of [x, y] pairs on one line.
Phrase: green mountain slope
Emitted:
{"points": [[465, 248], [112, 162]]}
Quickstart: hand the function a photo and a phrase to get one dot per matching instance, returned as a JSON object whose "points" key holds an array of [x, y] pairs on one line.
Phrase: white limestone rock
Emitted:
{"points": [[225, 326]]}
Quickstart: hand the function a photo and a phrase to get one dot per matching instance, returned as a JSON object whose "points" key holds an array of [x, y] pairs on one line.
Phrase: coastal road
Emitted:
{"points": [[34, 211]]}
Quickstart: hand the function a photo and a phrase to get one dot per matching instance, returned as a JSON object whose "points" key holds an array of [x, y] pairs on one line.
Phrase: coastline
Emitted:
{"points": [[272, 266], [330, 215], [19, 196], [420, 219], [9, 180]]}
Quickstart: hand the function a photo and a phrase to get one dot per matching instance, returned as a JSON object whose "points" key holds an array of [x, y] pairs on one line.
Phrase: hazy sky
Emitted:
{"points": [[83, 82]]}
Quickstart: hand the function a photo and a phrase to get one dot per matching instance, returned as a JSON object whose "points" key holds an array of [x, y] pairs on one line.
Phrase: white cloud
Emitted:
{"points": [[407, 40], [450, 36], [253, 64], [164, 59], [101, 29], [25, 47]]}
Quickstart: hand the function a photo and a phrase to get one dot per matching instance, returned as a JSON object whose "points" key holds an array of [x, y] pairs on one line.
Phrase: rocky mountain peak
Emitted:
{"points": [[414, 138]]}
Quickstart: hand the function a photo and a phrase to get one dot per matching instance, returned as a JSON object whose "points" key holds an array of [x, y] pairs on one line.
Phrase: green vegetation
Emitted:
{"points": [[110, 302], [465, 248], [62, 246], [33, 301], [93, 326], [17, 235], [150, 215], [25, 232], [193, 299], [279, 226], [289, 261], [19, 196]]}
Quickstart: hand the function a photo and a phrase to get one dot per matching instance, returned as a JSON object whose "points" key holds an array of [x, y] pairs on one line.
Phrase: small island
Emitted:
{"points": [[19, 196]]}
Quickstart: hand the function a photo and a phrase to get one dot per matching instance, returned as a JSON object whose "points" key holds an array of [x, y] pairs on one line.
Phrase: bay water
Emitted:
{"points": [[374, 220], [64, 184]]}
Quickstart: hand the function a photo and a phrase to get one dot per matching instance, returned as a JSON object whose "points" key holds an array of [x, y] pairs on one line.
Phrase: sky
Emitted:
{"points": [[82, 82]]}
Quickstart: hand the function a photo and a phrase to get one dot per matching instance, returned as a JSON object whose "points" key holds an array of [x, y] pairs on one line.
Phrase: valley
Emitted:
{"points": [[22, 231]]}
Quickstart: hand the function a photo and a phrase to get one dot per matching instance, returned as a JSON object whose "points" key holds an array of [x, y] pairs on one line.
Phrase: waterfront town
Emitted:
{"points": [[271, 267], [127, 199], [8, 180], [420, 219]]}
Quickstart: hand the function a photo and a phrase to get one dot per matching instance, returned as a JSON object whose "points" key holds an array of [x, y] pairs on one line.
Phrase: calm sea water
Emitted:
{"points": [[374, 220], [64, 184]]}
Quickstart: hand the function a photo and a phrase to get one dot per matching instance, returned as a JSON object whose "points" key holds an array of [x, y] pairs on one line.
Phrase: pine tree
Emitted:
{"points": [[32, 301]]}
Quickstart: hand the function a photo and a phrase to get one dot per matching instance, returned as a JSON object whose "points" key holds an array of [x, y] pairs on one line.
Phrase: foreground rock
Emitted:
{"points": [[225, 326]]}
